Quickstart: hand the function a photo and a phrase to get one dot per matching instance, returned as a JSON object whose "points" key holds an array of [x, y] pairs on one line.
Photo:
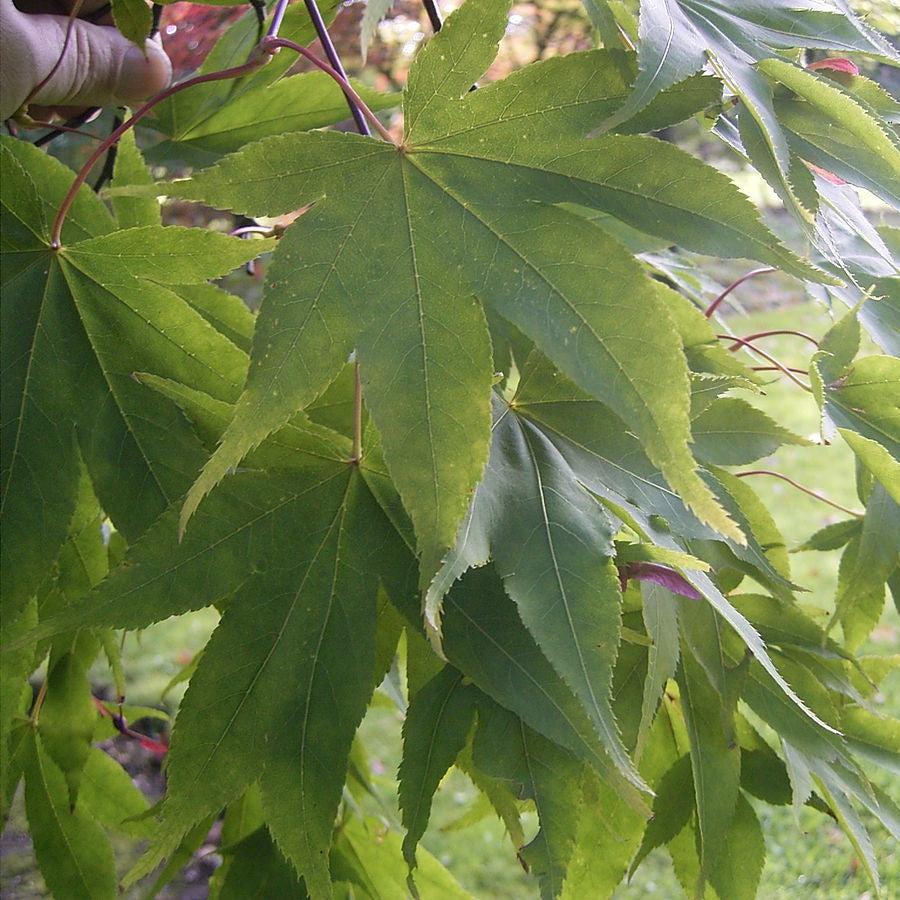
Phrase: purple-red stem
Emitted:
{"points": [[106, 143], [777, 369], [277, 18], [260, 56], [350, 93], [766, 356], [772, 333], [65, 128], [809, 491], [735, 284], [70, 27]]}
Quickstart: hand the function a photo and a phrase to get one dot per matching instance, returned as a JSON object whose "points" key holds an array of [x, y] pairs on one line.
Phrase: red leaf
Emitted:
{"points": [[661, 575], [828, 176], [838, 63]]}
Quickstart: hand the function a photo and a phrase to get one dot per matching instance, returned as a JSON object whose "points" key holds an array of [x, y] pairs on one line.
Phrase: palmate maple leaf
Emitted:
{"points": [[76, 323], [746, 43], [408, 248]]}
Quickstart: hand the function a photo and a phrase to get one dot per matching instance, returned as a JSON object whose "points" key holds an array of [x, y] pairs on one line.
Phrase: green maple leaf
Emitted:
{"points": [[133, 19], [76, 323], [715, 760], [833, 129], [731, 432], [505, 748], [240, 721], [435, 731], [484, 637], [866, 565], [130, 169], [405, 244], [190, 113], [74, 853], [859, 399], [608, 461], [740, 39], [551, 543], [283, 707], [299, 103]]}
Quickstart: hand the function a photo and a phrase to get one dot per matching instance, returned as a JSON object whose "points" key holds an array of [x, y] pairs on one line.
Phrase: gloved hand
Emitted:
{"points": [[99, 68]]}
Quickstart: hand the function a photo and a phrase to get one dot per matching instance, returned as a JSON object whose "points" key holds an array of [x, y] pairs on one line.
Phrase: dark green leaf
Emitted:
{"points": [[672, 809], [831, 130], [866, 565], [485, 639], [552, 545], [739, 868], [68, 718], [731, 432], [660, 613], [256, 868], [715, 763], [831, 537], [298, 103], [437, 726], [505, 748]]}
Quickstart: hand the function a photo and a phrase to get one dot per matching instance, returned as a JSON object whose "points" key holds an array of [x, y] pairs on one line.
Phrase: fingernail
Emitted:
{"points": [[143, 73]]}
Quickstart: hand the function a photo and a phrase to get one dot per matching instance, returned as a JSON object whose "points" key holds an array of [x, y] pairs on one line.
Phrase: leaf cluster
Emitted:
{"points": [[472, 457]]}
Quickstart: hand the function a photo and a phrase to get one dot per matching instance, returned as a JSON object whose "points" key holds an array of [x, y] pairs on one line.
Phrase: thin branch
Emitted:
{"points": [[109, 164], [809, 491], [735, 284], [120, 723], [434, 14], [333, 58], [772, 333], [766, 356], [269, 44], [277, 18], [74, 122], [61, 129], [39, 702], [260, 55]]}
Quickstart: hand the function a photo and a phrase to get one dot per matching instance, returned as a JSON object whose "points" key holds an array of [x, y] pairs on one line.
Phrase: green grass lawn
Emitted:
{"points": [[811, 861]]}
